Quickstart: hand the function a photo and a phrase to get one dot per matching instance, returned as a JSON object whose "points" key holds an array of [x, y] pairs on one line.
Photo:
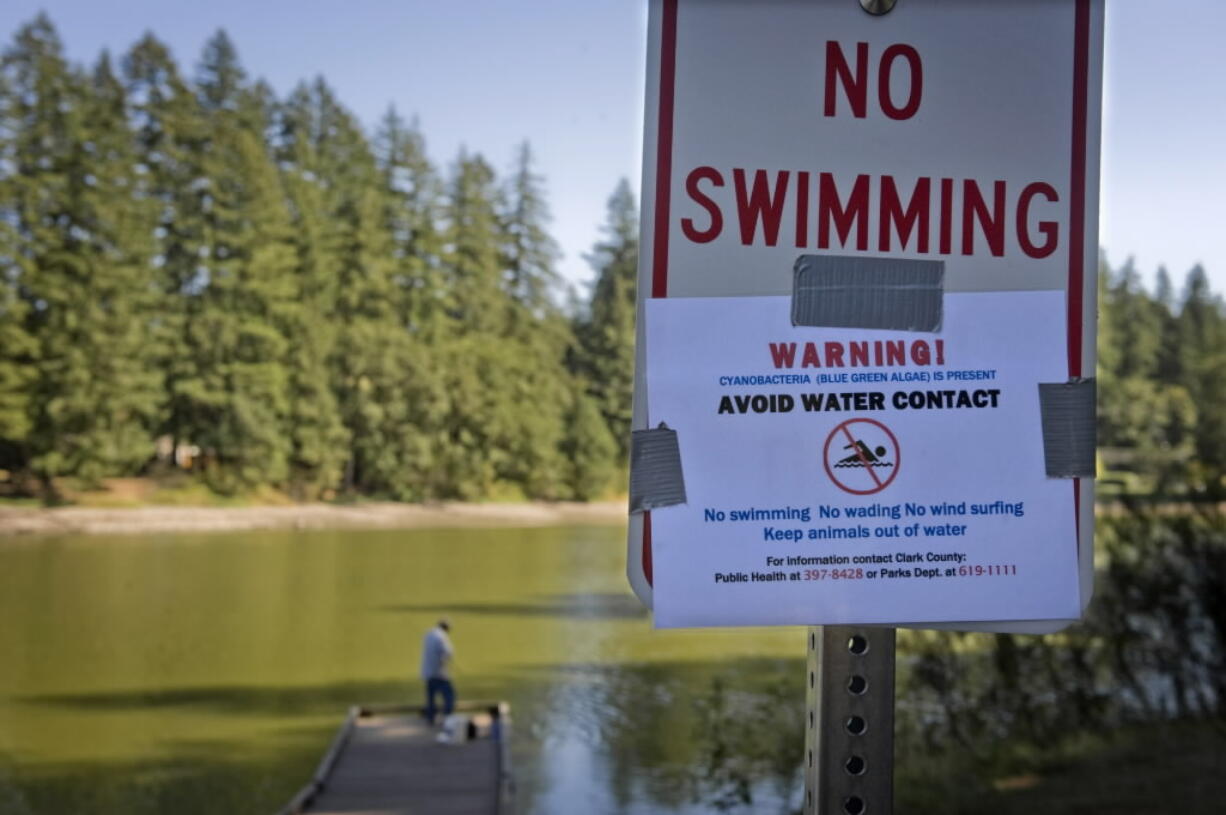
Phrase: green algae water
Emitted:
{"points": [[206, 673]]}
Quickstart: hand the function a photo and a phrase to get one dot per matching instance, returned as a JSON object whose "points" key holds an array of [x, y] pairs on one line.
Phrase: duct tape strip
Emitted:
{"points": [[836, 291], [1067, 410], [655, 469]]}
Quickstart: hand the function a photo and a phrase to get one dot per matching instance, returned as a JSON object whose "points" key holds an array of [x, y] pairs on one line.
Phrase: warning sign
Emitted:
{"points": [[867, 240], [801, 504], [873, 461]]}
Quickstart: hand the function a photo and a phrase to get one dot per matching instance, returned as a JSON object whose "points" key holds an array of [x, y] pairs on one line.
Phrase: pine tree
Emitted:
{"points": [[1108, 357], [412, 200], [375, 371], [318, 436], [530, 278], [122, 404], [1146, 421], [539, 337], [382, 392], [397, 389], [233, 393], [170, 130], [589, 448], [81, 238], [1168, 345], [1201, 336], [42, 119], [474, 296], [476, 428], [607, 331], [1164, 290], [17, 346], [1136, 328], [17, 355]]}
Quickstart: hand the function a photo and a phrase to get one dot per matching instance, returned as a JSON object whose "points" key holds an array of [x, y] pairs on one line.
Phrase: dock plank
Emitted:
{"points": [[392, 765]]}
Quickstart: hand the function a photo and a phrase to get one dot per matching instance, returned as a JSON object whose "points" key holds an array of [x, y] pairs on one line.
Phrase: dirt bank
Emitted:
{"points": [[32, 520]]}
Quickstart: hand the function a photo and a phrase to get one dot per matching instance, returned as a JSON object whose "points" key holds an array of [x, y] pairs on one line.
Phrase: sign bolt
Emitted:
{"points": [[878, 7]]}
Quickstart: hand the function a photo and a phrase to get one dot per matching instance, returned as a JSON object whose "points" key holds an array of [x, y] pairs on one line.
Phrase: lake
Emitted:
{"points": [[207, 673]]}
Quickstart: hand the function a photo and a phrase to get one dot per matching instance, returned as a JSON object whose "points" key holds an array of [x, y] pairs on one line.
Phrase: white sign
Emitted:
{"points": [[959, 131], [850, 476]]}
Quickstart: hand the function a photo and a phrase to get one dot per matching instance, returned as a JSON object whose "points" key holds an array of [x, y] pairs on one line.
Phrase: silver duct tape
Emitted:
{"points": [[1070, 433], [836, 291], [655, 469]]}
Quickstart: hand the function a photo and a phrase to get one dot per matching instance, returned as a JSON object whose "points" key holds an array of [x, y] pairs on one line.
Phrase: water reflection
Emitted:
{"points": [[206, 673], [251, 700], [608, 606], [676, 736]]}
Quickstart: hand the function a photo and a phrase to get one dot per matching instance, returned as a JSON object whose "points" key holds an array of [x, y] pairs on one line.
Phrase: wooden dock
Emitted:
{"points": [[387, 761]]}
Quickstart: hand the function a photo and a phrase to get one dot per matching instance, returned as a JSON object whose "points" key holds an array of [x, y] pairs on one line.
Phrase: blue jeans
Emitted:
{"points": [[438, 685]]}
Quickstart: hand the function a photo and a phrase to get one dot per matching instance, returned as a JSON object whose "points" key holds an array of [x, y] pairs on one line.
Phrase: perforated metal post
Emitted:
{"points": [[849, 727]]}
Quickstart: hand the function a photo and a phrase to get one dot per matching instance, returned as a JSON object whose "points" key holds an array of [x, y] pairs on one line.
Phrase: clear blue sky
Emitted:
{"points": [[567, 75]]}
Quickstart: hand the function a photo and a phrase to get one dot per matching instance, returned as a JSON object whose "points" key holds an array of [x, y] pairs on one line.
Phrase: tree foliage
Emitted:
{"points": [[606, 331], [1162, 382], [196, 273]]}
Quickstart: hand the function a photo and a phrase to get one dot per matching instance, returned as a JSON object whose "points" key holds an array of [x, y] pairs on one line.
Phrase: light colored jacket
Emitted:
{"points": [[436, 653]]}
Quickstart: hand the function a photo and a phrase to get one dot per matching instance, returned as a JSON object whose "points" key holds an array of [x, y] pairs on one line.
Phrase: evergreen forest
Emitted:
{"points": [[199, 276]]}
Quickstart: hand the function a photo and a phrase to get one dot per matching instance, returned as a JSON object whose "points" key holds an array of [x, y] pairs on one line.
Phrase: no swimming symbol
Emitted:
{"points": [[861, 456]]}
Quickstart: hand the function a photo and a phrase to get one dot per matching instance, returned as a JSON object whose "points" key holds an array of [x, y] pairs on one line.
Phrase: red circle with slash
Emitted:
{"points": [[861, 446]]}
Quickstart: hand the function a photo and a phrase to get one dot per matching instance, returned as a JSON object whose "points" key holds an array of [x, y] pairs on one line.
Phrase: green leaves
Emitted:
{"points": [[254, 289], [1162, 369], [606, 332], [81, 246]]}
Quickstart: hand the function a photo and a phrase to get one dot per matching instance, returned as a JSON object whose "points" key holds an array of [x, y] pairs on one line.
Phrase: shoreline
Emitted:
{"points": [[16, 521], [22, 521]]}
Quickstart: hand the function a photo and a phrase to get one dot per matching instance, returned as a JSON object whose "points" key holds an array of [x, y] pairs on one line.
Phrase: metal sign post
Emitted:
{"points": [[849, 733]]}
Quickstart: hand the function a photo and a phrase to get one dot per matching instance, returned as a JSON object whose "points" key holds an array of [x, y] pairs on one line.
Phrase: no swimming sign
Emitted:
{"points": [[867, 285]]}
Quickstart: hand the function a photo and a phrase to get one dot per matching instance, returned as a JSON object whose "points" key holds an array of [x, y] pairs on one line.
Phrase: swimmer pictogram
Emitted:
{"points": [[872, 463], [864, 457]]}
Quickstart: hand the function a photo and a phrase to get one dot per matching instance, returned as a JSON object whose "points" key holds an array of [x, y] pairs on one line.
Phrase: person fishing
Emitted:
{"points": [[436, 656]]}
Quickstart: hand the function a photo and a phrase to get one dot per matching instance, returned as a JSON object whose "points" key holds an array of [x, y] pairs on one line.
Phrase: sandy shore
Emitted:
{"points": [[25, 520], [378, 515]]}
